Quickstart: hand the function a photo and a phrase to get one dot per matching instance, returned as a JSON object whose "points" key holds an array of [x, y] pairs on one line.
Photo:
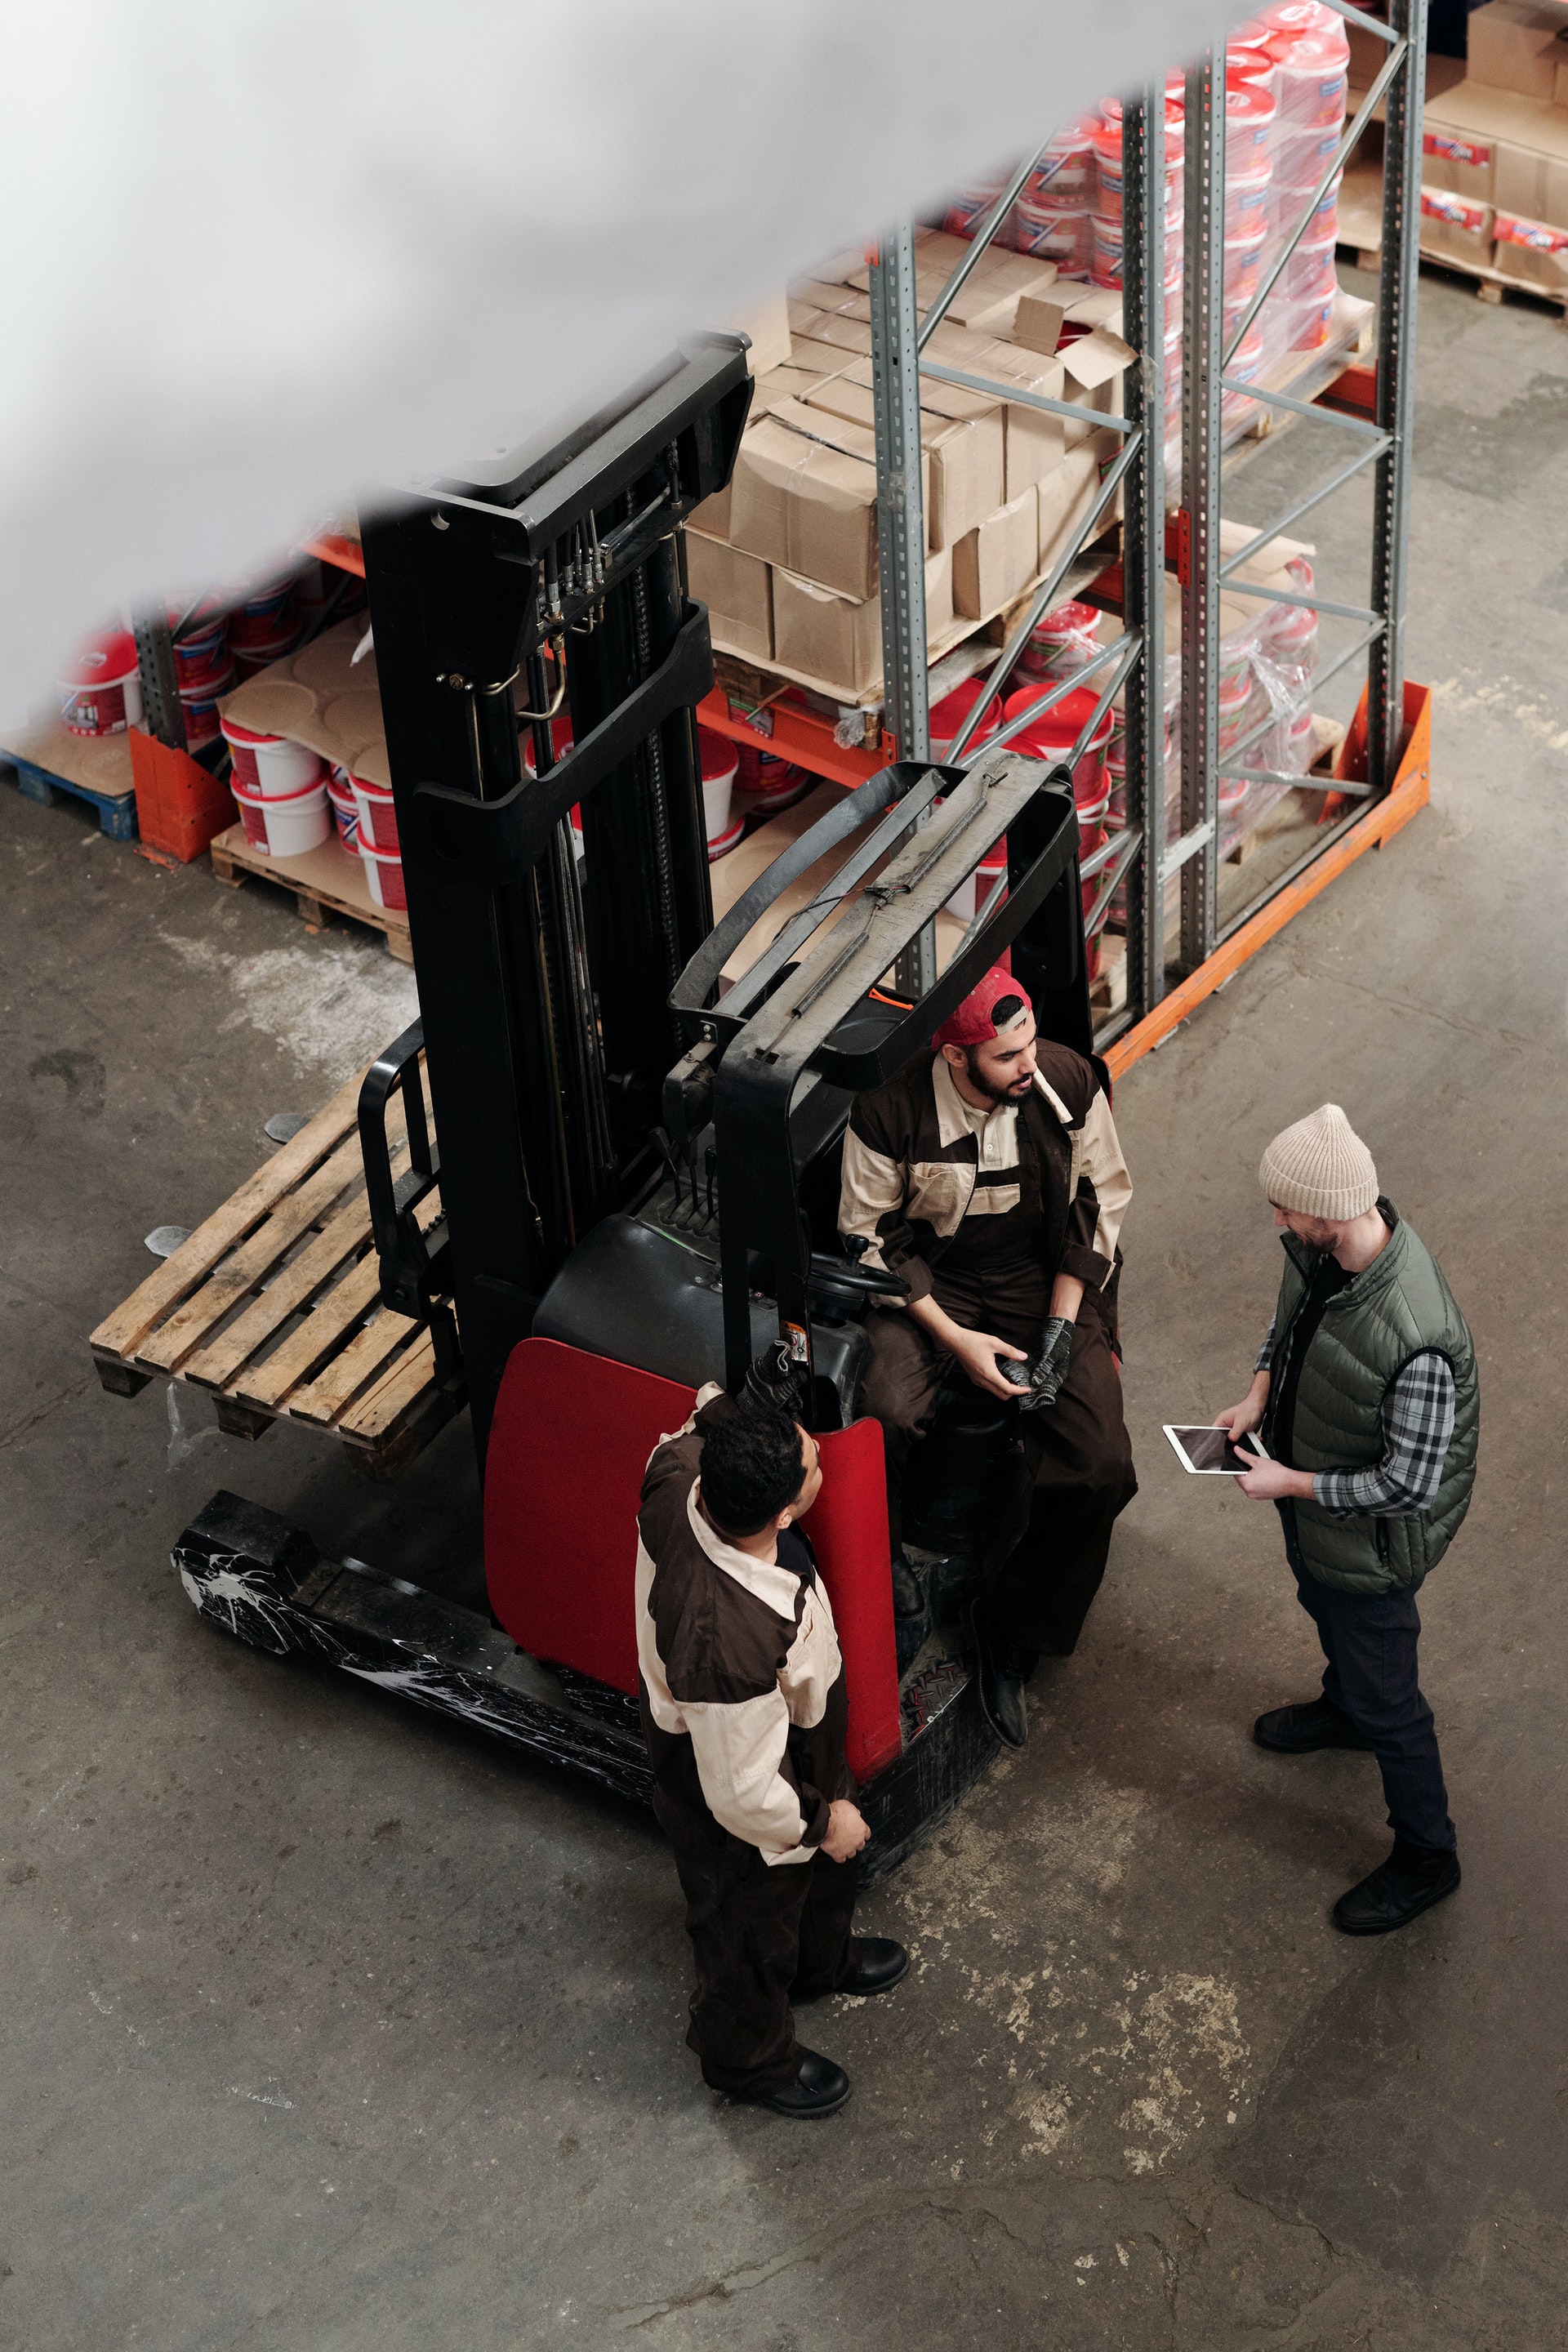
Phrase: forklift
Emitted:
{"points": [[632, 1180]]}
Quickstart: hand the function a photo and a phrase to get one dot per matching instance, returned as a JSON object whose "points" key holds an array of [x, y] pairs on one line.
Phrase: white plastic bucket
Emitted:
{"points": [[384, 872], [720, 765], [287, 827], [272, 766], [377, 816]]}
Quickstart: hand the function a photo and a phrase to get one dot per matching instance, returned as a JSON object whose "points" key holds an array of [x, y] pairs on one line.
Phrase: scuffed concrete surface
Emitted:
{"points": [[330, 2026]]}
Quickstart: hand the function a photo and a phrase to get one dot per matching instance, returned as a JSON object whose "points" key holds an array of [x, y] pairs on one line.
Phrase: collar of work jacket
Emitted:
{"points": [[777, 1587], [951, 1119]]}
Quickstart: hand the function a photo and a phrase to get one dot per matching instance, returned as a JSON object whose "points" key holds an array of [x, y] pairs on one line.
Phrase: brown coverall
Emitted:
{"points": [[991, 1270], [742, 1690]]}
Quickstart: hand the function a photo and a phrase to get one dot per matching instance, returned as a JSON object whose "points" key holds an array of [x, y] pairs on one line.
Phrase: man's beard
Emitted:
{"points": [[983, 1086]]}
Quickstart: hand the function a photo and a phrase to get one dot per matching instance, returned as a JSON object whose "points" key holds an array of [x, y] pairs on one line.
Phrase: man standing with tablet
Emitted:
{"points": [[1366, 1397]]}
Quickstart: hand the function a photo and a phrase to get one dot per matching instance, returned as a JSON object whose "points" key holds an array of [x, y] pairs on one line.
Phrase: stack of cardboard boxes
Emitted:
{"points": [[1495, 165], [786, 559]]}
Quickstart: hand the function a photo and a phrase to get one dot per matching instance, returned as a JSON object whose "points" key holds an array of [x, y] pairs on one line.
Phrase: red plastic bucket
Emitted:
{"points": [[200, 706], [101, 690], [1055, 732], [947, 716]]}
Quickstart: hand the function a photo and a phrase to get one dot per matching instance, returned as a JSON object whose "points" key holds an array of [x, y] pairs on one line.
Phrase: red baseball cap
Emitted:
{"points": [[975, 1020]]}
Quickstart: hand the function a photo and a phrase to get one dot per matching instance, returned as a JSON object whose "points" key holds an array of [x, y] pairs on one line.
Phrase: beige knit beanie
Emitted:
{"points": [[1321, 1168]]}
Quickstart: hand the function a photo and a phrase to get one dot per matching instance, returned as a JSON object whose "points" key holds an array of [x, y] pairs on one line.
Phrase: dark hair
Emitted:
{"points": [[753, 1465], [1007, 1008]]}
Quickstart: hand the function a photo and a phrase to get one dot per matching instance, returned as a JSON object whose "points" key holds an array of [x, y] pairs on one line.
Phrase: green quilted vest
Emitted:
{"points": [[1369, 1332]]}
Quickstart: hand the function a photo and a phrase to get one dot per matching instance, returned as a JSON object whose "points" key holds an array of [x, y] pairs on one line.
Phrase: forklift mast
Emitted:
{"points": [[543, 1002]]}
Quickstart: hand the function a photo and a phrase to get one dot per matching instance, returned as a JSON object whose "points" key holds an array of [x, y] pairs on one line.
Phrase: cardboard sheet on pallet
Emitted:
{"points": [[322, 697], [99, 764]]}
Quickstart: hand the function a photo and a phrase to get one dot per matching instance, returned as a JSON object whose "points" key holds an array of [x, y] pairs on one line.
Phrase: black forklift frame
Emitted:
{"points": [[545, 1086], [553, 1020]]}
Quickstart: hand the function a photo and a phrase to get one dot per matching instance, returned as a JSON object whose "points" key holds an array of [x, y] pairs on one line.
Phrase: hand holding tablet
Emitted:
{"points": [[1210, 1453]]}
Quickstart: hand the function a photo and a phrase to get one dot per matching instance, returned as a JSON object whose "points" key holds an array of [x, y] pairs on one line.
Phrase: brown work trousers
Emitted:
{"points": [[757, 1931], [1078, 1450]]}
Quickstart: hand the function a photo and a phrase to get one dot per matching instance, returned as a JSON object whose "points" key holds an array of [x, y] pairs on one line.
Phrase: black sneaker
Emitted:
{"points": [[1297, 1731], [1399, 1890]]}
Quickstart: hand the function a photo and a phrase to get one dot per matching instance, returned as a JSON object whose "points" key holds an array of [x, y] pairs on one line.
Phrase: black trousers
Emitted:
{"points": [[1078, 1450], [756, 1930], [1369, 1639]]}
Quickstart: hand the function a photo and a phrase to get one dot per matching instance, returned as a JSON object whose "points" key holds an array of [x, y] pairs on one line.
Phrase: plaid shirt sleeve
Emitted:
{"points": [[1417, 1423], [1266, 1353]]}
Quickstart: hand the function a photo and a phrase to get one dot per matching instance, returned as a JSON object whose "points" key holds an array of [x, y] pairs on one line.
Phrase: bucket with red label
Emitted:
{"points": [[974, 893], [265, 614], [1054, 232], [378, 815], [1061, 641], [720, 761], [1250, 114], [1052, 735], [200, 706], [101, 691], [202, 655], [1314, 81], [287, 827], [384, 873], [345, 808], [272, 766]]}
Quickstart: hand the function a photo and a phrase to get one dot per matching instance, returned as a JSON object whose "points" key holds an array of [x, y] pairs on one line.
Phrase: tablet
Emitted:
{"points": [[1210, 1454]]}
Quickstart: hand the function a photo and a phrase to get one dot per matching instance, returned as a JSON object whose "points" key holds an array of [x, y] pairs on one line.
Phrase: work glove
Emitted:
{"points": [[1041, 1375], [775, 1380]]}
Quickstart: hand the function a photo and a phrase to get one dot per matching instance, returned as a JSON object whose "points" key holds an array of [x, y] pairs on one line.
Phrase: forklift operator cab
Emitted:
{"points": [[637, 1168]]}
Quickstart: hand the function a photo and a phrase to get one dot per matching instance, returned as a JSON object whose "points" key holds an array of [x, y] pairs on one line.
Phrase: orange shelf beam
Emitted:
{"points": [[1412, 790], [347, 554], [791, 733]]}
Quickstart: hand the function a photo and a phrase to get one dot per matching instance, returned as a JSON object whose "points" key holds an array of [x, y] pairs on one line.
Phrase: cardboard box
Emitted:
{"points": [[1532, 181], [964, 451], [1037, 441], [1532, 253], [838, 640], [996, 560], [842, 333], [737, 589], [849, 434], [1043, 317], [769, 328], [1496, 147], [1065, 498], [1455, 228], [1515, 45], [805, 505]]}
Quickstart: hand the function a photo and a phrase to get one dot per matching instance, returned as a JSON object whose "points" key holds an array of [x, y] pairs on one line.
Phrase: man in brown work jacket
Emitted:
{"points": [[741, 1688], [989, 1177]]}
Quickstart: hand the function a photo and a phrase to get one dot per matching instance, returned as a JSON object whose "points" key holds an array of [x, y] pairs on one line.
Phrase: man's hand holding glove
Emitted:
{"points": [[1040, 1376]]}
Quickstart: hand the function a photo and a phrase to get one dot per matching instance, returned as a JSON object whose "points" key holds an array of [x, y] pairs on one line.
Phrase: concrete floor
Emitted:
{"points": [[329, 2026]]}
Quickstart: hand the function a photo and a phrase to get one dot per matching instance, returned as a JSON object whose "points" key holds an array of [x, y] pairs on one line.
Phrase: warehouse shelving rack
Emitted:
{"points": [[1381, 776]]}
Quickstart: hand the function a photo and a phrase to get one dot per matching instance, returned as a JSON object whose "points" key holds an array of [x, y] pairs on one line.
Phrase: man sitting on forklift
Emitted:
{"points": [[989, 1177], [744, 1710]]}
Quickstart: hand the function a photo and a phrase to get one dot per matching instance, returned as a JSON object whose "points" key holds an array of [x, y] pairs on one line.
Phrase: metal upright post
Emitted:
{"points": [[1395, 390], [900, 532], [1203, 301], [161, 709], [1144, 556]]}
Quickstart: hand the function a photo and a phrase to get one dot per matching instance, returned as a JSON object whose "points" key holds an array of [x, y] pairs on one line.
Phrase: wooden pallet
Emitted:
{"points": [[50, 763], [325, 881], [273, 1307]]}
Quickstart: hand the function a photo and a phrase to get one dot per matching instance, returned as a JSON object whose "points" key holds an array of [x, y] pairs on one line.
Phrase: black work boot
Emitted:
{"points": [[911, 1616], [1412, 1879], [819, 2089], [1297, 1731], [1001, 1670]]}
